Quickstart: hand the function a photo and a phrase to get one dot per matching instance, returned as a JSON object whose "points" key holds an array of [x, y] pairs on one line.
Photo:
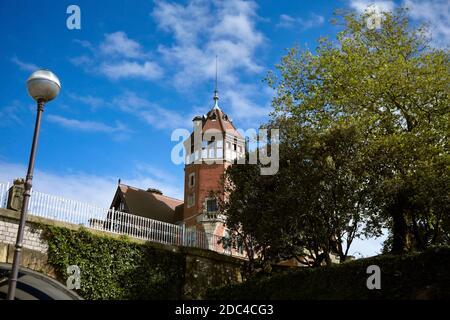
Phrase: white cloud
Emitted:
{"points": [[89, 126], [117, 57], [82, 61], [203, 29], [185, 22], [85, 44], [286, 21], [437, 14], [118, 43], [88, 188], [129, 102], [13, 113], [25, 66], [379, 5], [150, 112], [126, 69], [93, 102], [146, 176], [80, 187], [313, 21], [243, 105]]}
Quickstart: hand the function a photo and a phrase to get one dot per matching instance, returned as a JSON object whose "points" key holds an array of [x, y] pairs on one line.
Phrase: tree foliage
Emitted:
{"points": [[115, 268], [394, 87], [364, 126]]}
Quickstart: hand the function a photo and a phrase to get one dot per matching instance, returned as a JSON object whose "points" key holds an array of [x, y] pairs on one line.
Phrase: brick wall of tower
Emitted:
{"points": [[208, 177]]}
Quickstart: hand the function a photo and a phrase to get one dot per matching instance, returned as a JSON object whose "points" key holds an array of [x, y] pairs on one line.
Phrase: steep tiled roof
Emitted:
{"points": [[216, 119], [147, 203]]}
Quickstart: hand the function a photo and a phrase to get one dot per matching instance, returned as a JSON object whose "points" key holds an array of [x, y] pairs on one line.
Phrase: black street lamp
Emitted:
{"points": [[43, 86]]}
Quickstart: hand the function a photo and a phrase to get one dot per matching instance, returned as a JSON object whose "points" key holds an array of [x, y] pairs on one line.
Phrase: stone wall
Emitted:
{"points": [[204, 272], [203, 268], [32, 237]]}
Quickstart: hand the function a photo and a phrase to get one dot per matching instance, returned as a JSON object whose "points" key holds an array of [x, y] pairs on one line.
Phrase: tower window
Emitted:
{"points": [[234, 146], [191, 200], [211, 205], [191, 182]]}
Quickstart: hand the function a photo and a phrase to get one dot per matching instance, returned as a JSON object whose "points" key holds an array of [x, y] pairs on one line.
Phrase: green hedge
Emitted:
{"points": [[417, 276], [115, 268]]}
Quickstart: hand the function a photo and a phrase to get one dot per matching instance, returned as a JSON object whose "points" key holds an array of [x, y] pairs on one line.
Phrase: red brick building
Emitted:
{"points": [[213, 145]]}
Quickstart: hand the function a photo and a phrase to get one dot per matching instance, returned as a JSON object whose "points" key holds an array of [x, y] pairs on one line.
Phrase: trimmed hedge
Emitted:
{"points": [[423, 275], [115, 268]]}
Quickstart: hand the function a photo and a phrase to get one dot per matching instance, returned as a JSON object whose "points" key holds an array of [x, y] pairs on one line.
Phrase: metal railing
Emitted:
{"points": [[109, 220], [4, 187]]}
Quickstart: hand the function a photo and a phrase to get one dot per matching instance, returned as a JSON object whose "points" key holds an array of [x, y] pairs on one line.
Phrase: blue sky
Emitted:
{"points": [[139, 69]]}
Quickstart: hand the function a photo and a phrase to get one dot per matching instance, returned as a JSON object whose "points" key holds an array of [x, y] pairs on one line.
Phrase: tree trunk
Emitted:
{"points": [[417, 243], [400, 211], [327, 259], [401, 237]]}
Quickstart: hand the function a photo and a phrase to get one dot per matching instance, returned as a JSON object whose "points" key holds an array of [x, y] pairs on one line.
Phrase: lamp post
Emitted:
{"points": [[42, 86]]}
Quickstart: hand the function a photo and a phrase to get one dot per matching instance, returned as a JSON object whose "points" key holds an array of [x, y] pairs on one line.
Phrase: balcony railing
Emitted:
{"points": [[211, 217]]}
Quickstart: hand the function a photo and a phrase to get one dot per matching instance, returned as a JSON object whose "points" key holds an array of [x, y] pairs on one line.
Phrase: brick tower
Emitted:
{"points": [[213, 145]]}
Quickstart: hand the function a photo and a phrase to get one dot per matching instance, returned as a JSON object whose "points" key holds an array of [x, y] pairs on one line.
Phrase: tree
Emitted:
{"points": [[315, 204], [394, 87], [327, 179], [246, 207]]}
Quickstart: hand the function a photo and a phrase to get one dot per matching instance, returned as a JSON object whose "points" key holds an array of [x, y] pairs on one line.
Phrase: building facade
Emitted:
{"points": [[212, 147]]}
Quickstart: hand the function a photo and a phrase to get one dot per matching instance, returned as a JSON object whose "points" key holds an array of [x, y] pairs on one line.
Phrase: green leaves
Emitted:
{"points": [[394, 88], [364, 126], [115, 268]]}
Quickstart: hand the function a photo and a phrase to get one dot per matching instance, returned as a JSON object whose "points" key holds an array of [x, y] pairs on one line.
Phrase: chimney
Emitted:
{"points": [[197, 122], [153, 190]]}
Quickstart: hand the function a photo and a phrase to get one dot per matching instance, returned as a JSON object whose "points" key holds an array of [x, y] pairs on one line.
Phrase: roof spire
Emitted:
{"points": [[216, 95]]}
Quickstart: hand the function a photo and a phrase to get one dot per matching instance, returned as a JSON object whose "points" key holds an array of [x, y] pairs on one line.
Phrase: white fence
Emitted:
{"points": [[110, 220], [4, 187]]}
